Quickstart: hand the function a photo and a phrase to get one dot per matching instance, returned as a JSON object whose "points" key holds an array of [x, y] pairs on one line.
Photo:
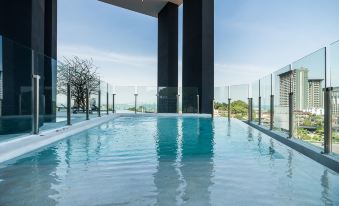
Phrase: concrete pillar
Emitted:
{"points": [[198, 53], [168, 58]]}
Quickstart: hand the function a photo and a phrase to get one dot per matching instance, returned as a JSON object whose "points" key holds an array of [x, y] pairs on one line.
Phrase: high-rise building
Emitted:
{"points": [[295, 81], [315, 95]]}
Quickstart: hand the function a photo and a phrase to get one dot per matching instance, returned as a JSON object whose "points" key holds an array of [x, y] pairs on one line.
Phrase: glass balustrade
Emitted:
{"points": [[265, 94], [239, 95], [308, 83], [333, 81], [255, 100], [221, 96], [281, 90], [16, 89]]}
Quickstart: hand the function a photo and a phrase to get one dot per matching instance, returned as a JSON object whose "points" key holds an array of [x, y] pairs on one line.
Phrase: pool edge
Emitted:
{"points": [[311, 152]]}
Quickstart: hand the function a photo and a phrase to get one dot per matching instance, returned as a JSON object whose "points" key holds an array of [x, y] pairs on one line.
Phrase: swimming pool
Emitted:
{"points": [[155, 160]]}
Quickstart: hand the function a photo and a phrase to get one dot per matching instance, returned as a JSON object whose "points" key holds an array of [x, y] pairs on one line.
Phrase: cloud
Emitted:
{"points": [[114, 67]]}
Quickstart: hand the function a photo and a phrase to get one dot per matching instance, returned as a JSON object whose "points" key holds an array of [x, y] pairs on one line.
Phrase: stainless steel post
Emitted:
{"points": [[249, 112], [107, 101], [68, 104], [35, 108], [198, 105], [113, 106], [271, 112], [87, 104], [99, 103], [290, 115], [229, 108], [259, 99], [252, 109], [328, 121], [135, 103]]}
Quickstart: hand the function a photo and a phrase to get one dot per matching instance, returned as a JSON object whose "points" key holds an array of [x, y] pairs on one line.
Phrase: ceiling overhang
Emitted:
{"points": [[148, 7]]}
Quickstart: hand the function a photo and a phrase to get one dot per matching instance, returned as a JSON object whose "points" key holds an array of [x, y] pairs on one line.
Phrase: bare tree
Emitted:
{"points": [[81, 74]]}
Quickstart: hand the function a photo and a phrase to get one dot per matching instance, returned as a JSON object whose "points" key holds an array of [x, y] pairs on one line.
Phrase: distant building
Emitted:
{"points": [[315, 95], [295, 81]]}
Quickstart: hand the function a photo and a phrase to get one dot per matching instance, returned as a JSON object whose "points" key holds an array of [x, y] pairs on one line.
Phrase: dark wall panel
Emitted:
{"points": [[198, 53], [168, 58]]}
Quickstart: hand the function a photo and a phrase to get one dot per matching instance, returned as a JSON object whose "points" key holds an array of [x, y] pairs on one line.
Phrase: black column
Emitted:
{"points": [[198, 54], [50, 69], [168, 58]]}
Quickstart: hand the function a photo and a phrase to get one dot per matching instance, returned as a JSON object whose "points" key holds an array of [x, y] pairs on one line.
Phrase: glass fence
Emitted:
{"points": [[239, 101], [333, 82], [292, 100], [16, 88], [255, 86], [308, 83], [231, 101], [281, 89], [265, 94], [221, 96]]}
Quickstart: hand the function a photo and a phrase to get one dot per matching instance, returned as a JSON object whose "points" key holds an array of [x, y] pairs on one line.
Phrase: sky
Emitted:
{"points": [[252, 37]]}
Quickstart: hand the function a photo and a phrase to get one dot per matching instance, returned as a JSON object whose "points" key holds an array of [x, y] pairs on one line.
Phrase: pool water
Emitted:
{"points": [[167, 161]]}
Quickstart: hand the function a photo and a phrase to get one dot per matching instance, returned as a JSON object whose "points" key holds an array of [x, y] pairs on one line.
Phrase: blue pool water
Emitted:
{"points": [[167, 161]]}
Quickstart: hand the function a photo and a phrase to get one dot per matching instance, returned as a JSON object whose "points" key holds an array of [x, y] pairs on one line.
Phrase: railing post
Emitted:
{"points": [[99, 103], [259, 99], [290, 115], [107, 100], [68, 104], [87, 104], [135, 103], [271, 112], [249, 109], [113, 106], [35, 109], [198, 105], [328, 120], [229, 108]]}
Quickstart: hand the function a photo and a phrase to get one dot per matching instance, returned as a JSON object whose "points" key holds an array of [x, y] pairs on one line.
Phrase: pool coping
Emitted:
{"points": [[310, 151], [17, 147]]}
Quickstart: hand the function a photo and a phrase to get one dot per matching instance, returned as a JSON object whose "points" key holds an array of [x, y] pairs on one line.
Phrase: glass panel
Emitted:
{"points": [[125, 99], [308, 82], [15, 89], [334, 82], [239, 106], [147, 99], [281, 89], [265, 93], [190, 100], [103, 90], [221, 100], [255, 96], [167, 99]]}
